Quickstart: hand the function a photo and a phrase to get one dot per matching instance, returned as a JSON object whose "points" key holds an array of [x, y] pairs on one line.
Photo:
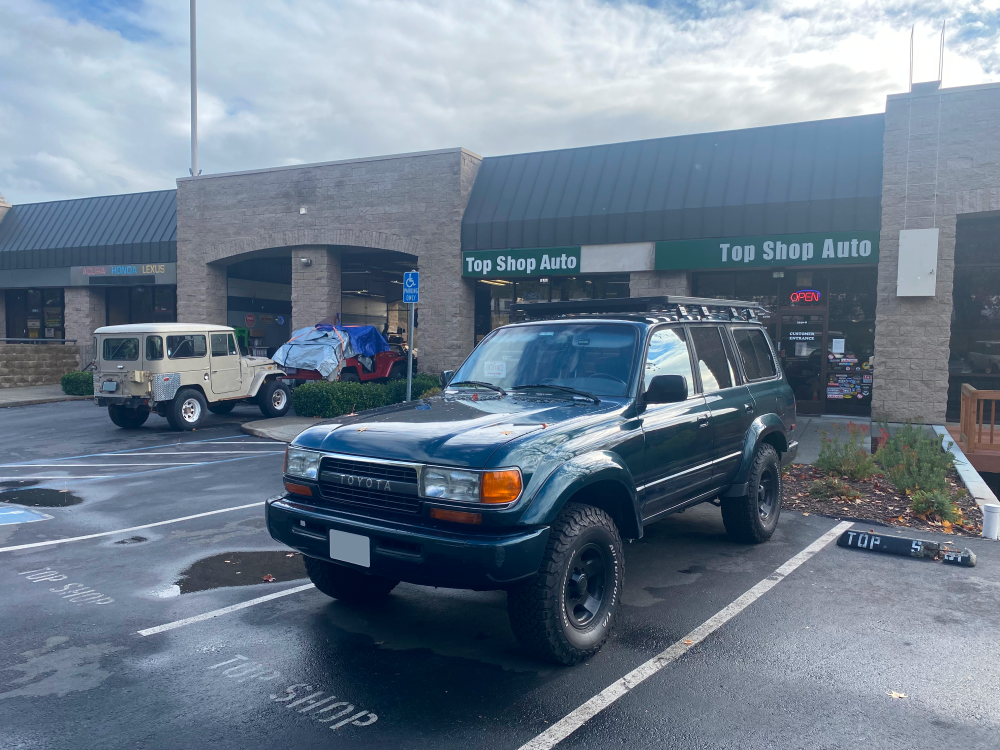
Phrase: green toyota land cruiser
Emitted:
{"points": [[558, 437]]}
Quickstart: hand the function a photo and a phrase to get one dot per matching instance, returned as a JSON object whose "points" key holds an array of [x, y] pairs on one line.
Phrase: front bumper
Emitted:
{"points": [[417, 554]]}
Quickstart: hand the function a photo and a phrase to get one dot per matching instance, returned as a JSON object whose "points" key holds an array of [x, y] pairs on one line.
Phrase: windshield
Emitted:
{"points": [[596, 358]]}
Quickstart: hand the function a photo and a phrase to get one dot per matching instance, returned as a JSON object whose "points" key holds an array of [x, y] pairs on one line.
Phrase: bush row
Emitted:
{"points": [[328, 400], [78, 383]]}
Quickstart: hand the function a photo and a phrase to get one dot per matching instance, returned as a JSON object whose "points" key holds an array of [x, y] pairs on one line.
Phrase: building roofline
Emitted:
{"points": [[939, 91], [386, 157], [94, 197]]}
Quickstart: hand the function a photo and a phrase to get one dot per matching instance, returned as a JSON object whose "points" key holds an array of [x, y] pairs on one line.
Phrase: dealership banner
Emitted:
{"points": [[543, 261], [815, 249]]}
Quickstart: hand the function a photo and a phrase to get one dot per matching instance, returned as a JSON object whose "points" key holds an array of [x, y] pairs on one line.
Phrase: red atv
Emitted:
{"points": [[390, 365]]}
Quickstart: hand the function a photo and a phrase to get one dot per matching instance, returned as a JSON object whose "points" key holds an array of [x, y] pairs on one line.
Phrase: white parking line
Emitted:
{"points": [[580, 716], [223, 611], [98, 466], [131, 528]]}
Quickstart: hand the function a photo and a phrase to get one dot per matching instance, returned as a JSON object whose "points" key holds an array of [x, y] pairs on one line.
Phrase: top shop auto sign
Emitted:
{"points": [[816, 249]]}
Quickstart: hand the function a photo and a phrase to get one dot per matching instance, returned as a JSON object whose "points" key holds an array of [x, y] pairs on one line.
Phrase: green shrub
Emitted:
{"points": [[914, 460], [830, 487], [935, 501], [848, 458], [78, 383], [328, 400], [430, 392]]}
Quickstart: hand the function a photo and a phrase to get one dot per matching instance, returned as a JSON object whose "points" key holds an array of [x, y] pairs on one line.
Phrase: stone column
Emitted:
{"points": [[938, 143], [659, 283], [3, 313], [202, 292], [316, 285], [84, 313]]}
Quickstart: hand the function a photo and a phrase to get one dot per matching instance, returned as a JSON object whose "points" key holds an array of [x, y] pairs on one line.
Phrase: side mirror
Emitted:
{"points": [[666, 389], [445, 377]]}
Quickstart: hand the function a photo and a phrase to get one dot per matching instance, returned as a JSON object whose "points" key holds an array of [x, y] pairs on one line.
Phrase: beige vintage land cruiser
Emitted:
{"points": [[180, 370]]}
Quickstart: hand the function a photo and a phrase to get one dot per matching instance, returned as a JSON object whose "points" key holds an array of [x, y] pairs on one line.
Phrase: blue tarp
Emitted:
{"points": [[324, 349]]}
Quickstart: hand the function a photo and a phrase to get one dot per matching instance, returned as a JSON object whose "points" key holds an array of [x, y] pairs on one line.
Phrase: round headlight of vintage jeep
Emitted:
{"points": [[302, 463]]}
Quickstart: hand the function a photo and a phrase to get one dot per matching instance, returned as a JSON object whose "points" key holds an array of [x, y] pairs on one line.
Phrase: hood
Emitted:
{"points": [[451, 430]]}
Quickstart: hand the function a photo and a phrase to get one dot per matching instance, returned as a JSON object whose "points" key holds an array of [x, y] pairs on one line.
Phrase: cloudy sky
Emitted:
{"points": [[94, 94]]}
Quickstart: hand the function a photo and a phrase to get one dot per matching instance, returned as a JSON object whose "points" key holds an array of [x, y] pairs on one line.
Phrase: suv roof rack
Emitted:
{"points": [[651, 309]]}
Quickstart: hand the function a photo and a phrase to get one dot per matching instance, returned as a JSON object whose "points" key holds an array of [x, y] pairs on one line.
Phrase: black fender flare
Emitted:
{"points": [[760, 430], [576, 475]]}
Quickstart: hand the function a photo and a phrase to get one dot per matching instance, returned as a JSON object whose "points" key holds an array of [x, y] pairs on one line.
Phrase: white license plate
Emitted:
{"points": [[350, 548]]}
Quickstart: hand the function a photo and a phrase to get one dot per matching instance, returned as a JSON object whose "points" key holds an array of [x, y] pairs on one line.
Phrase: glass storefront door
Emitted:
{"points": [[802, 351]]}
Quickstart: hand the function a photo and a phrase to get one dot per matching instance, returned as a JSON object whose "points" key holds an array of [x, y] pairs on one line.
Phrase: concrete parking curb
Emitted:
{"points": [[50, 400], [281, 428], [974, 483]]}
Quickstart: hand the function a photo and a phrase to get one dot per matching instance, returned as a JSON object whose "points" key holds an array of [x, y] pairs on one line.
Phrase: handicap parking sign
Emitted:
{"points": [[411, 287]]}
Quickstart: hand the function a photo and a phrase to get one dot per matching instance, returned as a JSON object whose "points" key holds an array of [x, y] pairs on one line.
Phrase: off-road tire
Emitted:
{"points": [[349, 376], [184, 403], [742, 516], [128, 419], [347, 584], [397, 372], [537, 608], [274, 399], [222, 407]]}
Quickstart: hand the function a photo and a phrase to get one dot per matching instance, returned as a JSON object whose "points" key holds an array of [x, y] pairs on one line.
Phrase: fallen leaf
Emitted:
{"points": [[947, 527], [269, 578], [805, 514], [689, 642], [894, 694]]}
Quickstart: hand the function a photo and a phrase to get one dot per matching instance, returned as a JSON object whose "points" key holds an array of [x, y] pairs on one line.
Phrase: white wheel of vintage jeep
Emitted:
{"points": [[274, 399], [278, 399], [191, 410]]}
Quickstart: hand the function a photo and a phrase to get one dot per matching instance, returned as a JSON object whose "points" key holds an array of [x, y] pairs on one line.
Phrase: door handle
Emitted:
{"points": [[703, 420], [749, 408]]}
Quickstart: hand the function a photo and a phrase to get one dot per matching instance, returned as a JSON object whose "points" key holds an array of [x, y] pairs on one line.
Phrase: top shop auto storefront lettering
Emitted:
{"points": [[833, 248]]}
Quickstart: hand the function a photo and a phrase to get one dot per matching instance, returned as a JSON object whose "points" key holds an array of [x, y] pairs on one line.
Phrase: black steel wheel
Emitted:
{"points": [[564, 614], [350, 376], [754, 517]]}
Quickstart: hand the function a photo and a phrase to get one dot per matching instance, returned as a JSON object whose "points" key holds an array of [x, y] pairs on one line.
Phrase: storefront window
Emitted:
{"points": [[35, 313], [495, 296], [975, 322], [141, 304]]}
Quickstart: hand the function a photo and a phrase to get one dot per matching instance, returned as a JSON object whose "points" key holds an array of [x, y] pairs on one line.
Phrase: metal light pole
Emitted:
{"points": [[194, 92], [409, 354]]}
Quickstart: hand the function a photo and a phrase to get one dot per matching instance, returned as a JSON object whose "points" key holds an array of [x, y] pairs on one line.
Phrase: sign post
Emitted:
{"points": [[411, 296]]}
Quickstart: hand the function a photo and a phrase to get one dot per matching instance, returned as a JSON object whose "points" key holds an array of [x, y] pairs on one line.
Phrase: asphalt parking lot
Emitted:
{"points": [[147, 623]]}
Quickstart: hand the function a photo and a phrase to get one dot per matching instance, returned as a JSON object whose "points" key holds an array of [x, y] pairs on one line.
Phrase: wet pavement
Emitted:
{"points": [[814, 662]]}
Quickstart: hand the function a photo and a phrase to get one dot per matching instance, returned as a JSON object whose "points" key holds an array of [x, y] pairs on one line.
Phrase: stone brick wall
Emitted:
{"points": [[84, 314], [315, 287], [409, 203], [36, 364], [658, 283], [941, 157]]}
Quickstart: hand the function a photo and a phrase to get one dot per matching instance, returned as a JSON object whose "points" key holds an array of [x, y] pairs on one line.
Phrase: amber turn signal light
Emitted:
{"points": [[457, 516], [298, 489], [500, 486]]}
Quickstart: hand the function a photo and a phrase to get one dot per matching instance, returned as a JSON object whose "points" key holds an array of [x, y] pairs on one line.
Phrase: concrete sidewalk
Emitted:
{"points": [[36, 394], [809, 432], [280, 428]]}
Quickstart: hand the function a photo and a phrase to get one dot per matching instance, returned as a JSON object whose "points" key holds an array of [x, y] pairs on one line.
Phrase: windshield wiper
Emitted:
{"points": [[481, 384], [563, 388]]}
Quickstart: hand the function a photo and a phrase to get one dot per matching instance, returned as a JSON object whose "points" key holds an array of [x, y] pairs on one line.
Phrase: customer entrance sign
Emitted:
{"points": [[814, 249]]}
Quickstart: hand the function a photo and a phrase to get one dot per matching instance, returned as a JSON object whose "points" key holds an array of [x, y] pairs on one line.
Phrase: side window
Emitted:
{"points": [[186, 347], [232, 345], [713, 365], [124, 350], [755, 353], [668, 355], [220, 347], [154, 347]]}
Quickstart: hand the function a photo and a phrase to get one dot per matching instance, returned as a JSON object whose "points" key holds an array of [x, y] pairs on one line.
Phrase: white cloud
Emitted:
{"points": [[101, 105]]}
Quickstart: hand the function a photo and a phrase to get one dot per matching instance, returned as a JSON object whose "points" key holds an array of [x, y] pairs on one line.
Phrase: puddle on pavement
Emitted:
{"points": [[132, 540], [241, 569], [39, 497]]}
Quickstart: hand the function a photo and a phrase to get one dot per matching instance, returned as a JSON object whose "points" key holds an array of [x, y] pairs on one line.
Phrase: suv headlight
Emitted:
{"points": [[442, 483], [302, 463]]}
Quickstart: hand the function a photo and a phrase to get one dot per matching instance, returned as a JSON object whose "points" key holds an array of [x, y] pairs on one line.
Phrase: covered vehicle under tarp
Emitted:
{"points": [[324, 348]]}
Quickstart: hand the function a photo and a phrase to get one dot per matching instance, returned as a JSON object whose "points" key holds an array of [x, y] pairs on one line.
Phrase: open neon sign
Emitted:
{"points": [[804, 295]]}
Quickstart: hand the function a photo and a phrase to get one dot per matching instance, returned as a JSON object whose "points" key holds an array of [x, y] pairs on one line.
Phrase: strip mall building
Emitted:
{"points": [[873, 242]]}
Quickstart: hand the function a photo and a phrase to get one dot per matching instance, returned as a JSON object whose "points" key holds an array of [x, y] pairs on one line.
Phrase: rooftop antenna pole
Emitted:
{"points": [[914, 26], [941, 54], [194, 93]]}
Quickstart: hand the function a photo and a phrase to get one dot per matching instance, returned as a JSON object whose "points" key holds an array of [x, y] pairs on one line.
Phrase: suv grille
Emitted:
{"points": [[373, 485]]}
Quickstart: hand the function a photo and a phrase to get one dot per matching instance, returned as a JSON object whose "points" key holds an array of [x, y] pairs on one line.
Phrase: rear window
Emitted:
{"points": [[186, 347], [120, 350], [755, 353]]}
